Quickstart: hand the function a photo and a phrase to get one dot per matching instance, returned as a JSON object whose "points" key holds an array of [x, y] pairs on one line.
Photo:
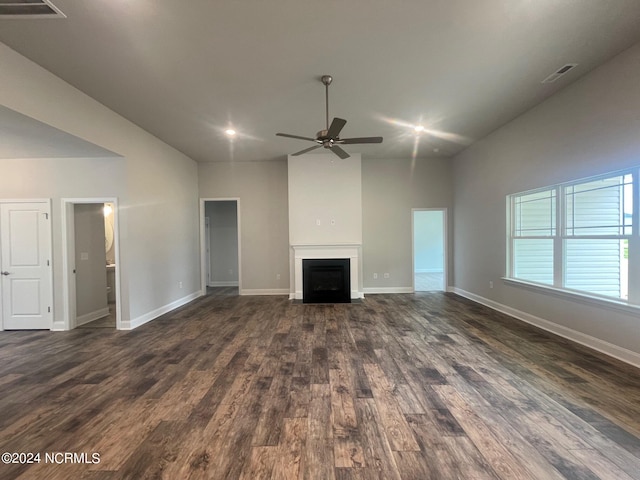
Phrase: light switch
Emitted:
{"points": [[318, 222], [84, 256]]}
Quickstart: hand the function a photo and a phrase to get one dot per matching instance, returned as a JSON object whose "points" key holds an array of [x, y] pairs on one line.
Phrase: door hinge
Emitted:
{"points": [[48, 263], [46, 216], [49, 309]]}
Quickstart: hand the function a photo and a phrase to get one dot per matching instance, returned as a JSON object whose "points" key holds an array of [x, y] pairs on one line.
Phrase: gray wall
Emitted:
{"points": [[264, 219], [588, 128], [91, 269], [390, 189], [156, 186], [223, 226]]}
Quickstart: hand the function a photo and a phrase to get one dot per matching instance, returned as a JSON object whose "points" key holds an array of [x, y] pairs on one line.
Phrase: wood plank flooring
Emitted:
{"points": [[414, 387]]}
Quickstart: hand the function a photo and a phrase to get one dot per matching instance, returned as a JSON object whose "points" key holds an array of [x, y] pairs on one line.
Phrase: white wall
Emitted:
{"points": [[223, 226], [390, 189], [264, 220], [327, 190], [91, 265], [156, 186], [588, 128]]}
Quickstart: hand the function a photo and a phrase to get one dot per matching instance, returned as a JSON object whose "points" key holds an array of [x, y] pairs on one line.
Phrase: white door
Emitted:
{"points": [[25, 265]]}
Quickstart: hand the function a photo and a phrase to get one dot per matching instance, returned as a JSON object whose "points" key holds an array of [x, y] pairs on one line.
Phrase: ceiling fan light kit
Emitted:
{"points": [[330, 137]]}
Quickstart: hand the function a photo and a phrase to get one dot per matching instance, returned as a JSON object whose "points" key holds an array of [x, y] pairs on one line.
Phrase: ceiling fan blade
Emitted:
{"points": [[351, 141], [340, 152], [306, 150], [336, 125], [296, 136]]}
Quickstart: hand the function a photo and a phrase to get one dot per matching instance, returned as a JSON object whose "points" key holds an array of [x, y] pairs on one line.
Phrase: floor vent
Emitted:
{"points": [[559, 73], [29, 9]]}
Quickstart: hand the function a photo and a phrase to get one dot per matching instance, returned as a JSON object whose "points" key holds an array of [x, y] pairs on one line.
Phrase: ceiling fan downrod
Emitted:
{"points": [[327, 79]]}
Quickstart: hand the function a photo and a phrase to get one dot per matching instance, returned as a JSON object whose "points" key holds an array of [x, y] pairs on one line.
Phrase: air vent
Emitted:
{"points": [[559, 73], [29, 9]]}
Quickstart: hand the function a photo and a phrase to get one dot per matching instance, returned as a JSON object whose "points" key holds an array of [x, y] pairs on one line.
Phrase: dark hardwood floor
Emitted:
{"points": [[424, 386]]}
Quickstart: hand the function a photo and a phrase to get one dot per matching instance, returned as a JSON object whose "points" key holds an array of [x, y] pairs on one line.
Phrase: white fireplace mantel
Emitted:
{"points": [[352, 251]]}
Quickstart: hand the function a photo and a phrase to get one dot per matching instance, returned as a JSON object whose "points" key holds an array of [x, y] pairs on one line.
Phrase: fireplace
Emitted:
{"points": [[326, 280], [344, 251]]}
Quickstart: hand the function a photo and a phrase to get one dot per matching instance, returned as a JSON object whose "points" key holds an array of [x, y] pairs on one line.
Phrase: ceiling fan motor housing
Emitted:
{"points": [[322, 134]]}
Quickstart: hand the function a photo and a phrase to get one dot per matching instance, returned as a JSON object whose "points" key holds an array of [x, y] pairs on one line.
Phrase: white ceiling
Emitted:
{"points": [[185, 71]]}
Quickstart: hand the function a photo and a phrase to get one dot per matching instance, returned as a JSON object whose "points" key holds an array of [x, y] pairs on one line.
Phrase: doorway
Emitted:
{"points": [[26, 285], [220, 246], [91, 263], [429, 227]]}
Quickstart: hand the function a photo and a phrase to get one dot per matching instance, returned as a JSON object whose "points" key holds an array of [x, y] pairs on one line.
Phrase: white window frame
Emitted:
{"points": [[560, 236]]}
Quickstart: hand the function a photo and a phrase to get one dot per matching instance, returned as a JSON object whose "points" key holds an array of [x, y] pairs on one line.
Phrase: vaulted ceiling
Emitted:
{"points": [[186, 71]]}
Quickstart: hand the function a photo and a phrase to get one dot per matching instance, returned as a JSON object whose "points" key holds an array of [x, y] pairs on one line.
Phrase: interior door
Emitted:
{"points": [[25, 264]]}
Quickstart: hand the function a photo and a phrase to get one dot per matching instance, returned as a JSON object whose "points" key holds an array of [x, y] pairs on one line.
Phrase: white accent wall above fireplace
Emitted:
{"points": [[325, 214]]}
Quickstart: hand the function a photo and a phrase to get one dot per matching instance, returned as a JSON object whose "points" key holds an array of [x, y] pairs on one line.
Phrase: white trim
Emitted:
{"points": [[265, 291], [223, 284], [68, 260], [352, 251], [203, 251], [429, 270], [576, 296], [623, 354], [58, 326], [445, 246], [374, 290], [91, 316], [147, 317]]}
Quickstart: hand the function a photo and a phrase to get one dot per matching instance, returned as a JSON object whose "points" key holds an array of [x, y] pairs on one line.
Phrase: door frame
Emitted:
{"points": [[445, 223], [48, 203], [69, 255], [203, 249]]}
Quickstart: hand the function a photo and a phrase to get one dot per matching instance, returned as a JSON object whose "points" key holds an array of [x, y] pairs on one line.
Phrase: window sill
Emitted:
{"points": [[576, 296]]}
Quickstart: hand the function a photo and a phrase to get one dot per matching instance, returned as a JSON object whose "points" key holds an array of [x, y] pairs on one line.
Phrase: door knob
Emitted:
{"points": [[6, 273]]}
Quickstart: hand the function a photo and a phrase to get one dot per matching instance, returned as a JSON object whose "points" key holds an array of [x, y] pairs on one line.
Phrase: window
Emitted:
{"points": [[576, 236], [534, 223]]}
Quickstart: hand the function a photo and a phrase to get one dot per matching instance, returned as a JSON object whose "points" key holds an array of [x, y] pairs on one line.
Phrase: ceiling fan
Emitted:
{"points": [[330, 138]]}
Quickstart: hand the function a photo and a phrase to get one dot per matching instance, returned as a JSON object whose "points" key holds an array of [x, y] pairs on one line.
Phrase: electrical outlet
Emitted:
{"points": [[375, 276], [277, 276], [230, 271], [490, 283], [318, 222], [386, 275], [180, 284]]}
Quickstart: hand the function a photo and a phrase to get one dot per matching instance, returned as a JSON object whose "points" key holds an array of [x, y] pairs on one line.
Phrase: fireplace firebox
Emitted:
{"points": [[326, 280]]}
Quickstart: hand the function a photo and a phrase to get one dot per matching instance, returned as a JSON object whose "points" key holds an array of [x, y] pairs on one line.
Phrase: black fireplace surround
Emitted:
{"points": [[326, 280]]}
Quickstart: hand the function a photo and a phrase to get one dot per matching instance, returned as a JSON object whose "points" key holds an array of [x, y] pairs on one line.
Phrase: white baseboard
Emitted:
{"points": [[147, 317], [223, 284], [375, 290], [91, 316], [58, 326], [627, 356], [265, 291]]}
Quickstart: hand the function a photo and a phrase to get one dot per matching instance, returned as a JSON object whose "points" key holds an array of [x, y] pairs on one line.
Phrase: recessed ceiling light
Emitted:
{"points": [[419, 128], [230, 131]]}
